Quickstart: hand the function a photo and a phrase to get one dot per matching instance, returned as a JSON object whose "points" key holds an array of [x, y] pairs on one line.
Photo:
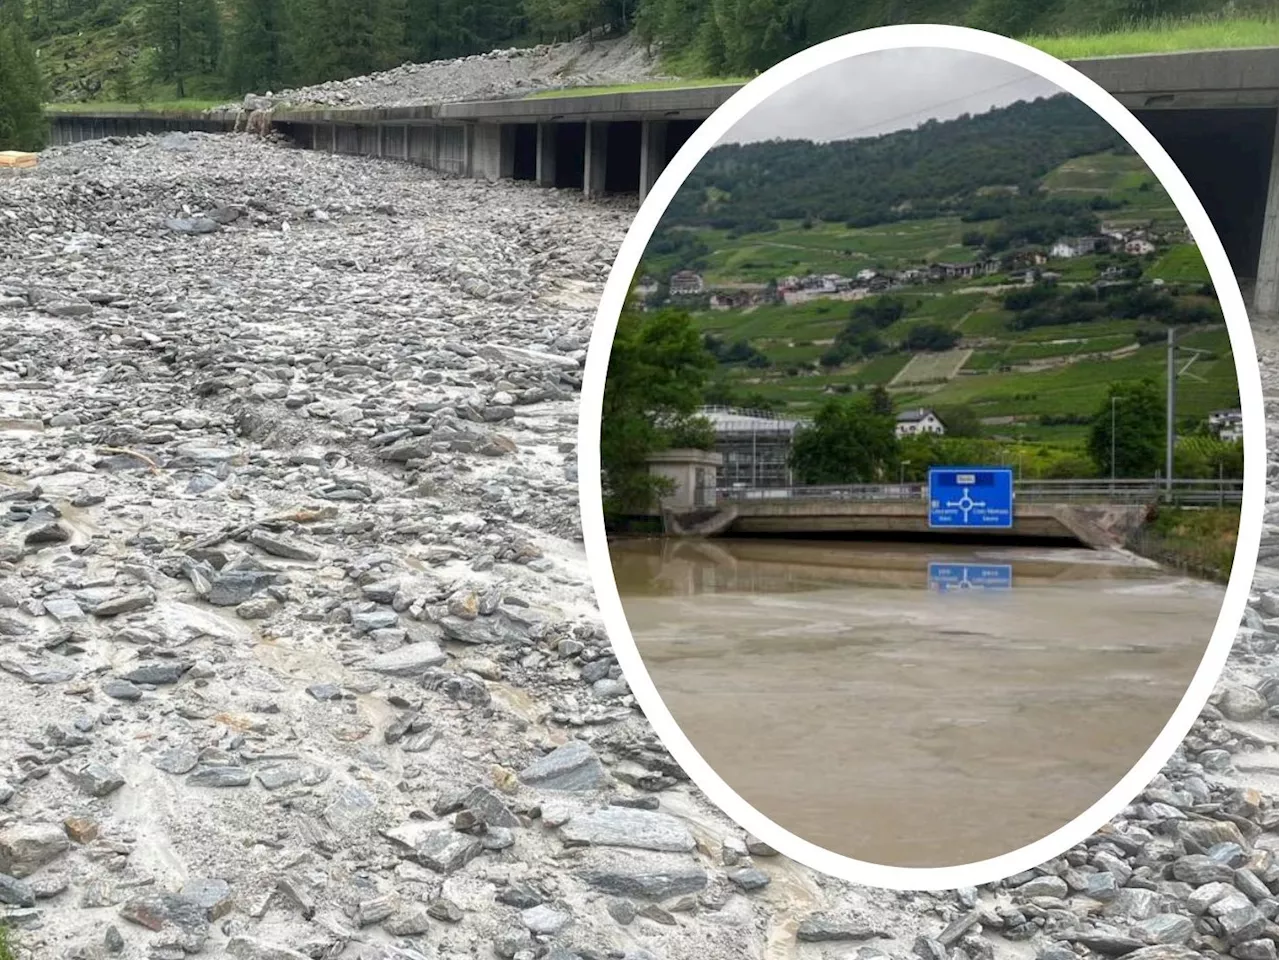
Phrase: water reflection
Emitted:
{"points": [[853, 693], [951, 577]]}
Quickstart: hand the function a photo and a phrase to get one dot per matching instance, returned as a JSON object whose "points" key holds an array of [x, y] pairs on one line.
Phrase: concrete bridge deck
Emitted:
{"points": [[1099, 514], [1096, 527], [1214, 111]]}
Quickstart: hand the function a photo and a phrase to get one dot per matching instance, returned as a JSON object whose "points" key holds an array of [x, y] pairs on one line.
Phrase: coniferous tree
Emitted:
{"points": [[256, 56], [184, 36], [22, 124], [336, 39]]}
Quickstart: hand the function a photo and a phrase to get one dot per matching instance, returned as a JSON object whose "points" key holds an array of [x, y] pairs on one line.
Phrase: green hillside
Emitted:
{"points": [[1030, 371]]}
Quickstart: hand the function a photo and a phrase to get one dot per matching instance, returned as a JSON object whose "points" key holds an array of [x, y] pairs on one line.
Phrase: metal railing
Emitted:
{"points": [[1129, 491]]}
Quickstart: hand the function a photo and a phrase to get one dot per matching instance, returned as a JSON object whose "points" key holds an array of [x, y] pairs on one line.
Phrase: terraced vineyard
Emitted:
{"points": [[1020, 382]]}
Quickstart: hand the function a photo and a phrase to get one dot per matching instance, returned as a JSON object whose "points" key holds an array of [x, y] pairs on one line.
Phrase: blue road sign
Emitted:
{"points": [[971, 497], [949, 577]]}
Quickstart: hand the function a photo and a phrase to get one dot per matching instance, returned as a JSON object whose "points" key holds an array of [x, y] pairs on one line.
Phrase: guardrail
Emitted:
{"points": [[1182, 492]]}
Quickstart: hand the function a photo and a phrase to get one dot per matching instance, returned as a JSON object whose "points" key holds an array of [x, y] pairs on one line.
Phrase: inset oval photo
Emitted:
{"points": [[921, 450]]}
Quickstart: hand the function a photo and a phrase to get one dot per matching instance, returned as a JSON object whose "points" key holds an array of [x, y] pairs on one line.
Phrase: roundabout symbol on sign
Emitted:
{"points": [[966, 503]]}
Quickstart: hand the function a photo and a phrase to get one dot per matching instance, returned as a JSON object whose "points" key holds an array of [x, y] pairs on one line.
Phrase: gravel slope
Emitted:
{"points": [[498, 74]]}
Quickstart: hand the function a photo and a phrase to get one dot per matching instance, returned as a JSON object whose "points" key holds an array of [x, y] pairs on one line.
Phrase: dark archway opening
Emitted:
{"points": [[678, 131], [571, 149], [622, 157], [524, 165], [1226, 157]]}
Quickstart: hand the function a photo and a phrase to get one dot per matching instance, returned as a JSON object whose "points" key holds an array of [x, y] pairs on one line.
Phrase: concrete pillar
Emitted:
{"points": [[333, 138], [1265, 292], [653, 147], [487, 156], [382, 140], [545, 174], [594, 158], [468, 150]]}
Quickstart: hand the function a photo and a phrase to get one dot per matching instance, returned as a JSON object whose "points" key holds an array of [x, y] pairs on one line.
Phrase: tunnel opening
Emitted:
{"points": [[1226, 157], [571, 152], [678, 132], [524, 160], [622, 157]]}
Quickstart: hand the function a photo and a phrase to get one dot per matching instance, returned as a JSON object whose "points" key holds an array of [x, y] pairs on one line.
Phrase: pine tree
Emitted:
{"points": [[336, 39], [184, 37], [256, 49], [22, 124]]}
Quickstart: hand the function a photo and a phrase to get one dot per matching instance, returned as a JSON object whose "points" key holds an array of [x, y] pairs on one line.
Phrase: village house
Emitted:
{"points": [[918, 421], [958, 271], [731, 300], [1139, 247], [685, 283], [647, 287], [865, 275], [1024, 259], [1069, 247], [1227, 425]]}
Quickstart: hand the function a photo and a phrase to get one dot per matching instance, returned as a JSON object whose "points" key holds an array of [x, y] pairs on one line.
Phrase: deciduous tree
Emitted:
{"points": [[658, 369], [848, 442], [1139, 430]]}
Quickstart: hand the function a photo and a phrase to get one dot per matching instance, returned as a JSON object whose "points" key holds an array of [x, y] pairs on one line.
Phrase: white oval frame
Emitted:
{"points": [[1250, 384]]}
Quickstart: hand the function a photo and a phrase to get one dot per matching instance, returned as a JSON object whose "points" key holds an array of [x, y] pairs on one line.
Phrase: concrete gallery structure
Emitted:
{"points": [[1213, 111]]}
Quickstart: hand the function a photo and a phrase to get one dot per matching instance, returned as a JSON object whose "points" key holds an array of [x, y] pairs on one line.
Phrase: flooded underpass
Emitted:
{"points": [[914, 704]]}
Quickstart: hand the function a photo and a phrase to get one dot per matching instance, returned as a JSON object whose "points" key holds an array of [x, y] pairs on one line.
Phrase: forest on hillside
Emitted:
{"points": [[918, 173], [230, 47], [138, 51]]}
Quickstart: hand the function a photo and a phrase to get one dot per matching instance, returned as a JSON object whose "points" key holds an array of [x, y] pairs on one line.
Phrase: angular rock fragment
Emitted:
{"points": [[95, 779], [624, 827], [410, 660], [652, 876], [26, 847], [572, 767]]}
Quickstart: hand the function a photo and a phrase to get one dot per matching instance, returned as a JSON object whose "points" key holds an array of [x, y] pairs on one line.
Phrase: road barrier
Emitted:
{"points": [[1192, 493]]}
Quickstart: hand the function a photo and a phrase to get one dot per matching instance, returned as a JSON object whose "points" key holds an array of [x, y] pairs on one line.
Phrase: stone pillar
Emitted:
{"points": [[653, 148], [594, 158], [545, 174], [1265, 292]]}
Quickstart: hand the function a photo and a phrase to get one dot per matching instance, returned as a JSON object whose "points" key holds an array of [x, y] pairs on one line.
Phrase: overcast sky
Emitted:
{"points": [[875, 93]]}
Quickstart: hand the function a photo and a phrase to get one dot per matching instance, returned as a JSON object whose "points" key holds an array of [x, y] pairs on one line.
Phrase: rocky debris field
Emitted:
{"points": [[485, 76], [298, 650]]}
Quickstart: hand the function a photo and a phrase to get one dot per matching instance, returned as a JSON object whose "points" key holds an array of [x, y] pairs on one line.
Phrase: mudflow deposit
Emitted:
{"points": [[300, 657]]}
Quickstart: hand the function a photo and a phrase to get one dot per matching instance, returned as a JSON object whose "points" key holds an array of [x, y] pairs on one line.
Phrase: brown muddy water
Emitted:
{"points": [[874, 715]]}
